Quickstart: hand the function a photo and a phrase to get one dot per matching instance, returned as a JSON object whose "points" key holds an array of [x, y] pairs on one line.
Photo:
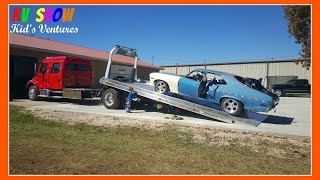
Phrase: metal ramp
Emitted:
{"points": [[147, 91]]}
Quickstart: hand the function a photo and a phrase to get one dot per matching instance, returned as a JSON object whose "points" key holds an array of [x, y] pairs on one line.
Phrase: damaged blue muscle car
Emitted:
{"points": [[230, 93]]}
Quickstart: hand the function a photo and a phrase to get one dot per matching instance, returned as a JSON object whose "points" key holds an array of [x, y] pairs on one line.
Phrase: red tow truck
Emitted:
{"points": [[62, 76], [73, 78]]}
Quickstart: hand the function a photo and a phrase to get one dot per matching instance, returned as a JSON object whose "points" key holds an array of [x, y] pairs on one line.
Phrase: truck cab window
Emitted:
{"points": [[44, 67], [291, 82], [55, 68], [71, 67], [301, 82], [83, 67]]}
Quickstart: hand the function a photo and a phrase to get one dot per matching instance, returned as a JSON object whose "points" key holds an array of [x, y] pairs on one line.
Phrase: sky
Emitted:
{"points": [[181, 34]]}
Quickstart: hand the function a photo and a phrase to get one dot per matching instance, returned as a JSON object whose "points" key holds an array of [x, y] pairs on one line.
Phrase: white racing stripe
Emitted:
{"points": [[171, 79]]}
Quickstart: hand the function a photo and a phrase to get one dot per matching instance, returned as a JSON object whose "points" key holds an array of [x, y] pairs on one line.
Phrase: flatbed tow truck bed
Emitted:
{"points": [[146, 90]]}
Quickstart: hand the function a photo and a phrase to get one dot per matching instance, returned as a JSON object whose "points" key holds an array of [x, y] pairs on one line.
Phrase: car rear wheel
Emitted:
{"points": [[32, 93], [161, 87], [278, 92], [231, 106]]}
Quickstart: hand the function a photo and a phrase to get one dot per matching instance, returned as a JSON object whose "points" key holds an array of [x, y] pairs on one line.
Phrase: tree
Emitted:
{"points": [[299, 26]]}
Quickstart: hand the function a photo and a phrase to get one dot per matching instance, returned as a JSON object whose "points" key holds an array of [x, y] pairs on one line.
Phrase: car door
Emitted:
{"points": [[189, 85], [214, 80]]}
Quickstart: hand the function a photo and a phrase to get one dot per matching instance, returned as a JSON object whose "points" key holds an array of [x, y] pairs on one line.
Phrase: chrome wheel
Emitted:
{"points": [[32, 93], [231, 106], [109, 98], [161, 87], [278, 92]]}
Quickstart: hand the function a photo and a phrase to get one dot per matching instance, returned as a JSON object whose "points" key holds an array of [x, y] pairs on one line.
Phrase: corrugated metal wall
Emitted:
{"points": [[253, 70]]}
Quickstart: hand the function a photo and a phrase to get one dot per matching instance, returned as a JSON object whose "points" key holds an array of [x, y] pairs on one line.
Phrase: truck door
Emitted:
{"points": [[42, 76], [69, 75], [55, 74], [84, 75], [300, 86], [293, 86]]}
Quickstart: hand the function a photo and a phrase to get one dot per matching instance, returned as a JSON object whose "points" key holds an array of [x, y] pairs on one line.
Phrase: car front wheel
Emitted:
{"points": [[161, 87], [231, 106]]}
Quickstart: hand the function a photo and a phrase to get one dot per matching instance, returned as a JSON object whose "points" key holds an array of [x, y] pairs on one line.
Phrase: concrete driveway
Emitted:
{"points": [[298, 108]]}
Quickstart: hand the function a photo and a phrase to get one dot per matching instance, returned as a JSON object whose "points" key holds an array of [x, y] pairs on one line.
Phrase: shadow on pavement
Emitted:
{"points": [[278, 120], [87, 102]]}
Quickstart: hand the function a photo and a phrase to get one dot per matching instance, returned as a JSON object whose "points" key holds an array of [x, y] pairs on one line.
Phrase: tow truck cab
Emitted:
{"points": [[59, 73]]}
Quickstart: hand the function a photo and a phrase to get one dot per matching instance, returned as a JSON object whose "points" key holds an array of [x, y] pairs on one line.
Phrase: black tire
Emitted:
{"points": [[278, 92], [110, 99], [161, 87], [231, 106], [32, 93]]}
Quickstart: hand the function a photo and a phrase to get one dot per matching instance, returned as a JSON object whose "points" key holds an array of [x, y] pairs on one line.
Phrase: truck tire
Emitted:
{"points": [[32, 93], [231, 106], [110, 99]]}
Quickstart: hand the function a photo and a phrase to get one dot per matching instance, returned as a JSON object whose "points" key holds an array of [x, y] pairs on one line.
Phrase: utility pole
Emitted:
{"points": [[152, 59]]}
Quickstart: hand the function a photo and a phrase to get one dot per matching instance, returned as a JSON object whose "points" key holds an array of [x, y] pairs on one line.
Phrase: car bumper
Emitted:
{"points": [[274, 104]]}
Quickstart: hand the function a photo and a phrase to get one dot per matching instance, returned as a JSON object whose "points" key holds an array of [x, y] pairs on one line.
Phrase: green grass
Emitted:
{"points": [[40, 146]]}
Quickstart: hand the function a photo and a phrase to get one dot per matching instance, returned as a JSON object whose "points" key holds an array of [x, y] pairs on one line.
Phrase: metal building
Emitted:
{"points": [[26, 51], [271, 72]]}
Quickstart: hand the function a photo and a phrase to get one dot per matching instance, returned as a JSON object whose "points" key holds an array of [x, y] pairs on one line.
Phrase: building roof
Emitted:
{"points": [[233, 62], [18, 40]]}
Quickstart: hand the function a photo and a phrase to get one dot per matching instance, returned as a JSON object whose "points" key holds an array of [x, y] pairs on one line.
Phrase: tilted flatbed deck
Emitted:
{"points": [[147, 91]]}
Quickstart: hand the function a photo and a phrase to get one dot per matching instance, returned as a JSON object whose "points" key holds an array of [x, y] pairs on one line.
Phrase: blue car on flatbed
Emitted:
{"points": [[212, 88]]}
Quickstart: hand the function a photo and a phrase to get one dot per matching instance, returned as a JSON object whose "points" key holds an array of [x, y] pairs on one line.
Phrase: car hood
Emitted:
{"points": [[168, 74]]}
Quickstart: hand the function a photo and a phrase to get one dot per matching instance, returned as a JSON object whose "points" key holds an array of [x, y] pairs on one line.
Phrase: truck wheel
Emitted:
{"points": [[278, 92], [32, 93], [161, 87], [110, 99], [231, 106]]}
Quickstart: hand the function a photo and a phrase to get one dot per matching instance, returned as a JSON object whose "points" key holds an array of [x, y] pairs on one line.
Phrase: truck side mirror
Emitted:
{"points": [[35, 68]]}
